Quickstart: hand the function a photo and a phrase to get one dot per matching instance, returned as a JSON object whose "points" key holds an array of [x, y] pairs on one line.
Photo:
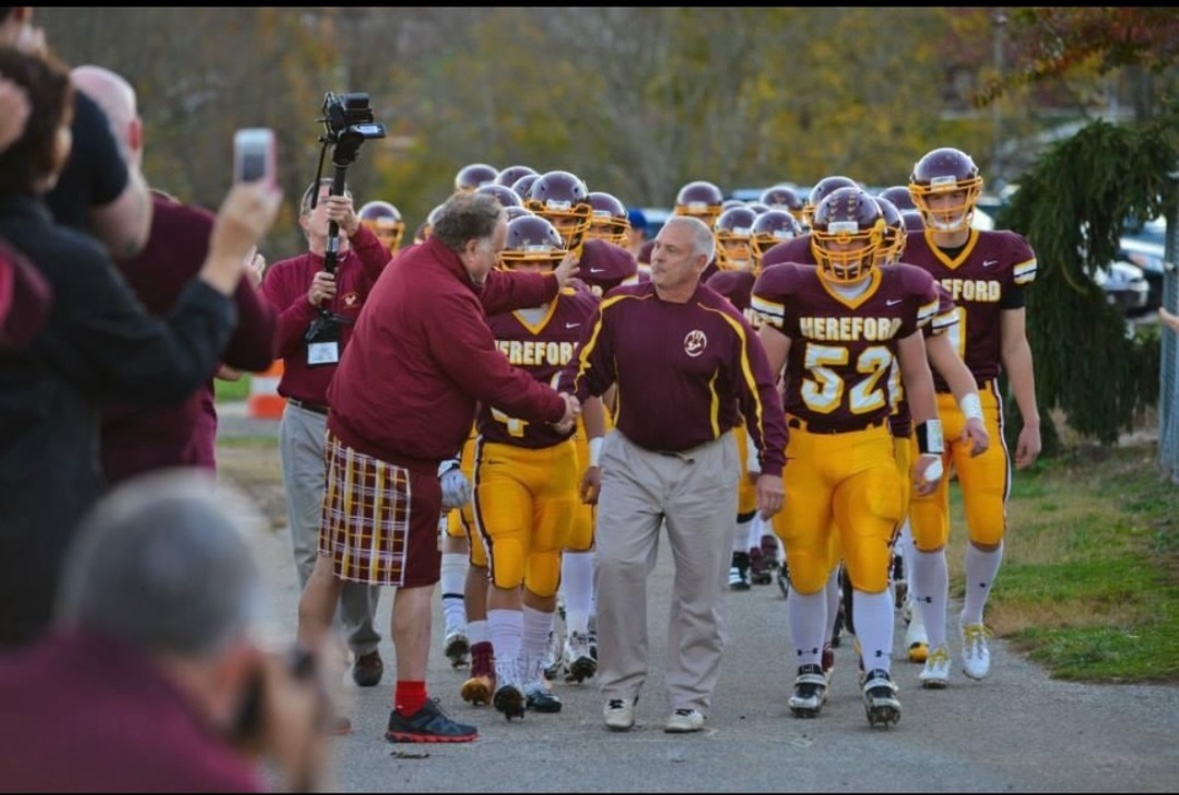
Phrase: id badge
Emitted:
{"points": [[321, 353]]}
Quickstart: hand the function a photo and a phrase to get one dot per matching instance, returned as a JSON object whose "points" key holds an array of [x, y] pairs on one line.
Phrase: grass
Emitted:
{"points": [[231, 391], [1090, 580]]}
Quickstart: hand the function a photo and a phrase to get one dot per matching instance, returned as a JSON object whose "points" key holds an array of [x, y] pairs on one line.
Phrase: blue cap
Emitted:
{"points": [[637, 219]]}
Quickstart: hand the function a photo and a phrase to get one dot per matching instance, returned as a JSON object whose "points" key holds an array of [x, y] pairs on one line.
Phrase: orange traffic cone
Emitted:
{"points": [[264, 402]]}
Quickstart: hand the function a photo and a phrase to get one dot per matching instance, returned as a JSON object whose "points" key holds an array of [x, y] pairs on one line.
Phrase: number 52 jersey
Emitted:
{"points": [[842, 349]]}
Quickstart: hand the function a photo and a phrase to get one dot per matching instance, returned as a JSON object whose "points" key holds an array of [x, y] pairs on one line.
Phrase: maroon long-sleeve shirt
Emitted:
{"points": [[683, 371], [285, 287], [138, 438], [422, 355]]}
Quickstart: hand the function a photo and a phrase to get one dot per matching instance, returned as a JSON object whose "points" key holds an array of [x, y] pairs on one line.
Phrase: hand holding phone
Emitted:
{"points": [[254, 156]]}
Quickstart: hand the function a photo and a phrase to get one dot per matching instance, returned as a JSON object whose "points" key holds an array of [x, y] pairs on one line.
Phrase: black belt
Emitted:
{"points": [[312, 407], [819, 427]]}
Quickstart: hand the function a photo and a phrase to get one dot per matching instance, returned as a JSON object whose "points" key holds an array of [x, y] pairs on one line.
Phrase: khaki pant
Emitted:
{"points": [[695, 495]]}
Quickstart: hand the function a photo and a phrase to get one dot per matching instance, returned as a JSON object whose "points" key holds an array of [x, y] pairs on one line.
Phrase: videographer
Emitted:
{"points": [[316, 311], [152, 680]]}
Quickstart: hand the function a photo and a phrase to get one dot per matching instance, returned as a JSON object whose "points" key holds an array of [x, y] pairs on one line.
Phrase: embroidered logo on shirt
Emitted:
{"points": [[695, 342], [351, 299], [989, 262], [893, 301], [572, 325]]}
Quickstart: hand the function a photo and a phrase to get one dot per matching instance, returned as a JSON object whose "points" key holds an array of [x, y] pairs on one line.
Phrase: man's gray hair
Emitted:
{"points": [[162, 563], [703, 241], [467, 216]]}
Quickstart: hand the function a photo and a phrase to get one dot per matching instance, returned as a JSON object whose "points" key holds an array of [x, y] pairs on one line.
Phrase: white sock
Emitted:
{"points": [[907, 550], [808, 624], [577, 580], [872, 615], [929, 585], [506, 628], [537, 626], [831, 594], [454, 580], [743, 535], [981, 568], [477, 632]]}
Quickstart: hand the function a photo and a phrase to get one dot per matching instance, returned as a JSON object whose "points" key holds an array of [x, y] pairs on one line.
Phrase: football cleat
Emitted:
{"points": [[976, 652], [936, 673], [810, 692], [880, 699], [579, 665], [457, 647]]}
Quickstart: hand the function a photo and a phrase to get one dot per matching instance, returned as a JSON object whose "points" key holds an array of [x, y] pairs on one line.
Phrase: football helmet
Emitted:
{"points": [[821, 190], [758, 207], [771, 228], [701, 199], [533, 240], [515, 211], [608, 220], [847, 232], [474, 175], [914, 222], [781, 197], [563, 199], [734, 239], [899, 195], [729, 204], [523, 186], [941, 172], [894, 233], [506, 196], [509, 175], [385, 221]]}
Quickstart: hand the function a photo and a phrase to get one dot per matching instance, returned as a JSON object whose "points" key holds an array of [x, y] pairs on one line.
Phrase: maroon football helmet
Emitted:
{"points": [[474, 175], [734, 239], [506, 196], [532, 239], [942, 172], [701, 199], [847, 232], [385, 222], [820, 191], [781, 197], [608, 220], [515, 211], [523, 186], [771, 228], [563, 199], [894, 232], [914, 222], [899, 195], [509, 175]]}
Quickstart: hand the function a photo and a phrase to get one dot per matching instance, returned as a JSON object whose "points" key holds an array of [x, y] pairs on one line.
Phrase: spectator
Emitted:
{"points": [[402, 403], [96, 192], [303, 291], [636, 235], [136, 438], [687, 366], [98, 345], [152, 663]]}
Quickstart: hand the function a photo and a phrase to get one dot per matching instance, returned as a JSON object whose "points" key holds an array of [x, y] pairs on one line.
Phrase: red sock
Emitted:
{"points": [[409, 697]]}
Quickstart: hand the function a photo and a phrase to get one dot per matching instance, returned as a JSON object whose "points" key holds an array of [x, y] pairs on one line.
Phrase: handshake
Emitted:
{"points": [[572, 411]]}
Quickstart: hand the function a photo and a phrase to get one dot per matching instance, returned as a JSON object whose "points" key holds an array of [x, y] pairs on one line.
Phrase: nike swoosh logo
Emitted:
{"points": [[597, 270], [572, 325], [893, 301], [989, 262]]}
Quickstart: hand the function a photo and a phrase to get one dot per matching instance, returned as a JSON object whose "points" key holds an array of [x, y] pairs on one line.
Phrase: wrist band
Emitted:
{"points": [[595, 451], [929, 437], [971, 407]]}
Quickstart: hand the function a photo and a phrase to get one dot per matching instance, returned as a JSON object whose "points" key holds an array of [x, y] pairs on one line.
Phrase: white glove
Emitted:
{"points": [[456, 489]]}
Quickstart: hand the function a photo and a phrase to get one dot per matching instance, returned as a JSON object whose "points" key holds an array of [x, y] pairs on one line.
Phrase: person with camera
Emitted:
{"points": [[402, 405], [152, 679], [97, 345], [317, 308]]}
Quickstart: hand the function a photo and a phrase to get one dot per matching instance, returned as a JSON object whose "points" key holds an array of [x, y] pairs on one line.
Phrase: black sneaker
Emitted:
{"points": [[739, 572], [428, 725], [368, 669], [538, 699]]}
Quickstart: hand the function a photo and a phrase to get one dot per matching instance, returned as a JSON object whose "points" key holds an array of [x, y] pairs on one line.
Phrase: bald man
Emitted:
{"points": [[137, 439]]}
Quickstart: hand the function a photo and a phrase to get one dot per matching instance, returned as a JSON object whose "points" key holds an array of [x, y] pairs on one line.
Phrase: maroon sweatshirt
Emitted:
{"points": [[422, 355]]}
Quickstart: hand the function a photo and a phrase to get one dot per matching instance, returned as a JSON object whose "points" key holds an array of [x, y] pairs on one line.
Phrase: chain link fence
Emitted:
{"points": [[1169, 377]]}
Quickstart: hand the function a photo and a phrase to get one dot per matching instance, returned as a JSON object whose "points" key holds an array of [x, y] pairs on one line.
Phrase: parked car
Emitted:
{"points": [[1147, 249], [1125, 287]]}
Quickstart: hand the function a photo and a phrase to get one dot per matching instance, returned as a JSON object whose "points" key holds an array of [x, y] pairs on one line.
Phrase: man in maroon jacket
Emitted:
{"points": [[402, 403], [137, 439]]}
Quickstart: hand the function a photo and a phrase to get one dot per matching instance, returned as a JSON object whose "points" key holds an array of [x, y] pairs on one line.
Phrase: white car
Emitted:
{"points": [[1125, 286]]}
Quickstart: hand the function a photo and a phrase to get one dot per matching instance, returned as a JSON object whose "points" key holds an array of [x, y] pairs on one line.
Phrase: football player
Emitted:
{"points": [[837, 329], [986, 273]]}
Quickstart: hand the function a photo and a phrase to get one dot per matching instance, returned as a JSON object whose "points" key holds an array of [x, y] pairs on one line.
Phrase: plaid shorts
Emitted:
{"points": [[379, 522]]}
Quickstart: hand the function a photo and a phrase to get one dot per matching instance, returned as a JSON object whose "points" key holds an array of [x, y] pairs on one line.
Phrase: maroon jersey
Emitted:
{"points": [[604, 266], [686, 373], [901, 421], [842, 350], [796, 249], [542, 351], [737, 286], [984, 277]]}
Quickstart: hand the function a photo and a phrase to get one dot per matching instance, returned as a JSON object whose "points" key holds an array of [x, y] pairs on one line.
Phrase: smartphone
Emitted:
{"points": [[254, 155]]}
